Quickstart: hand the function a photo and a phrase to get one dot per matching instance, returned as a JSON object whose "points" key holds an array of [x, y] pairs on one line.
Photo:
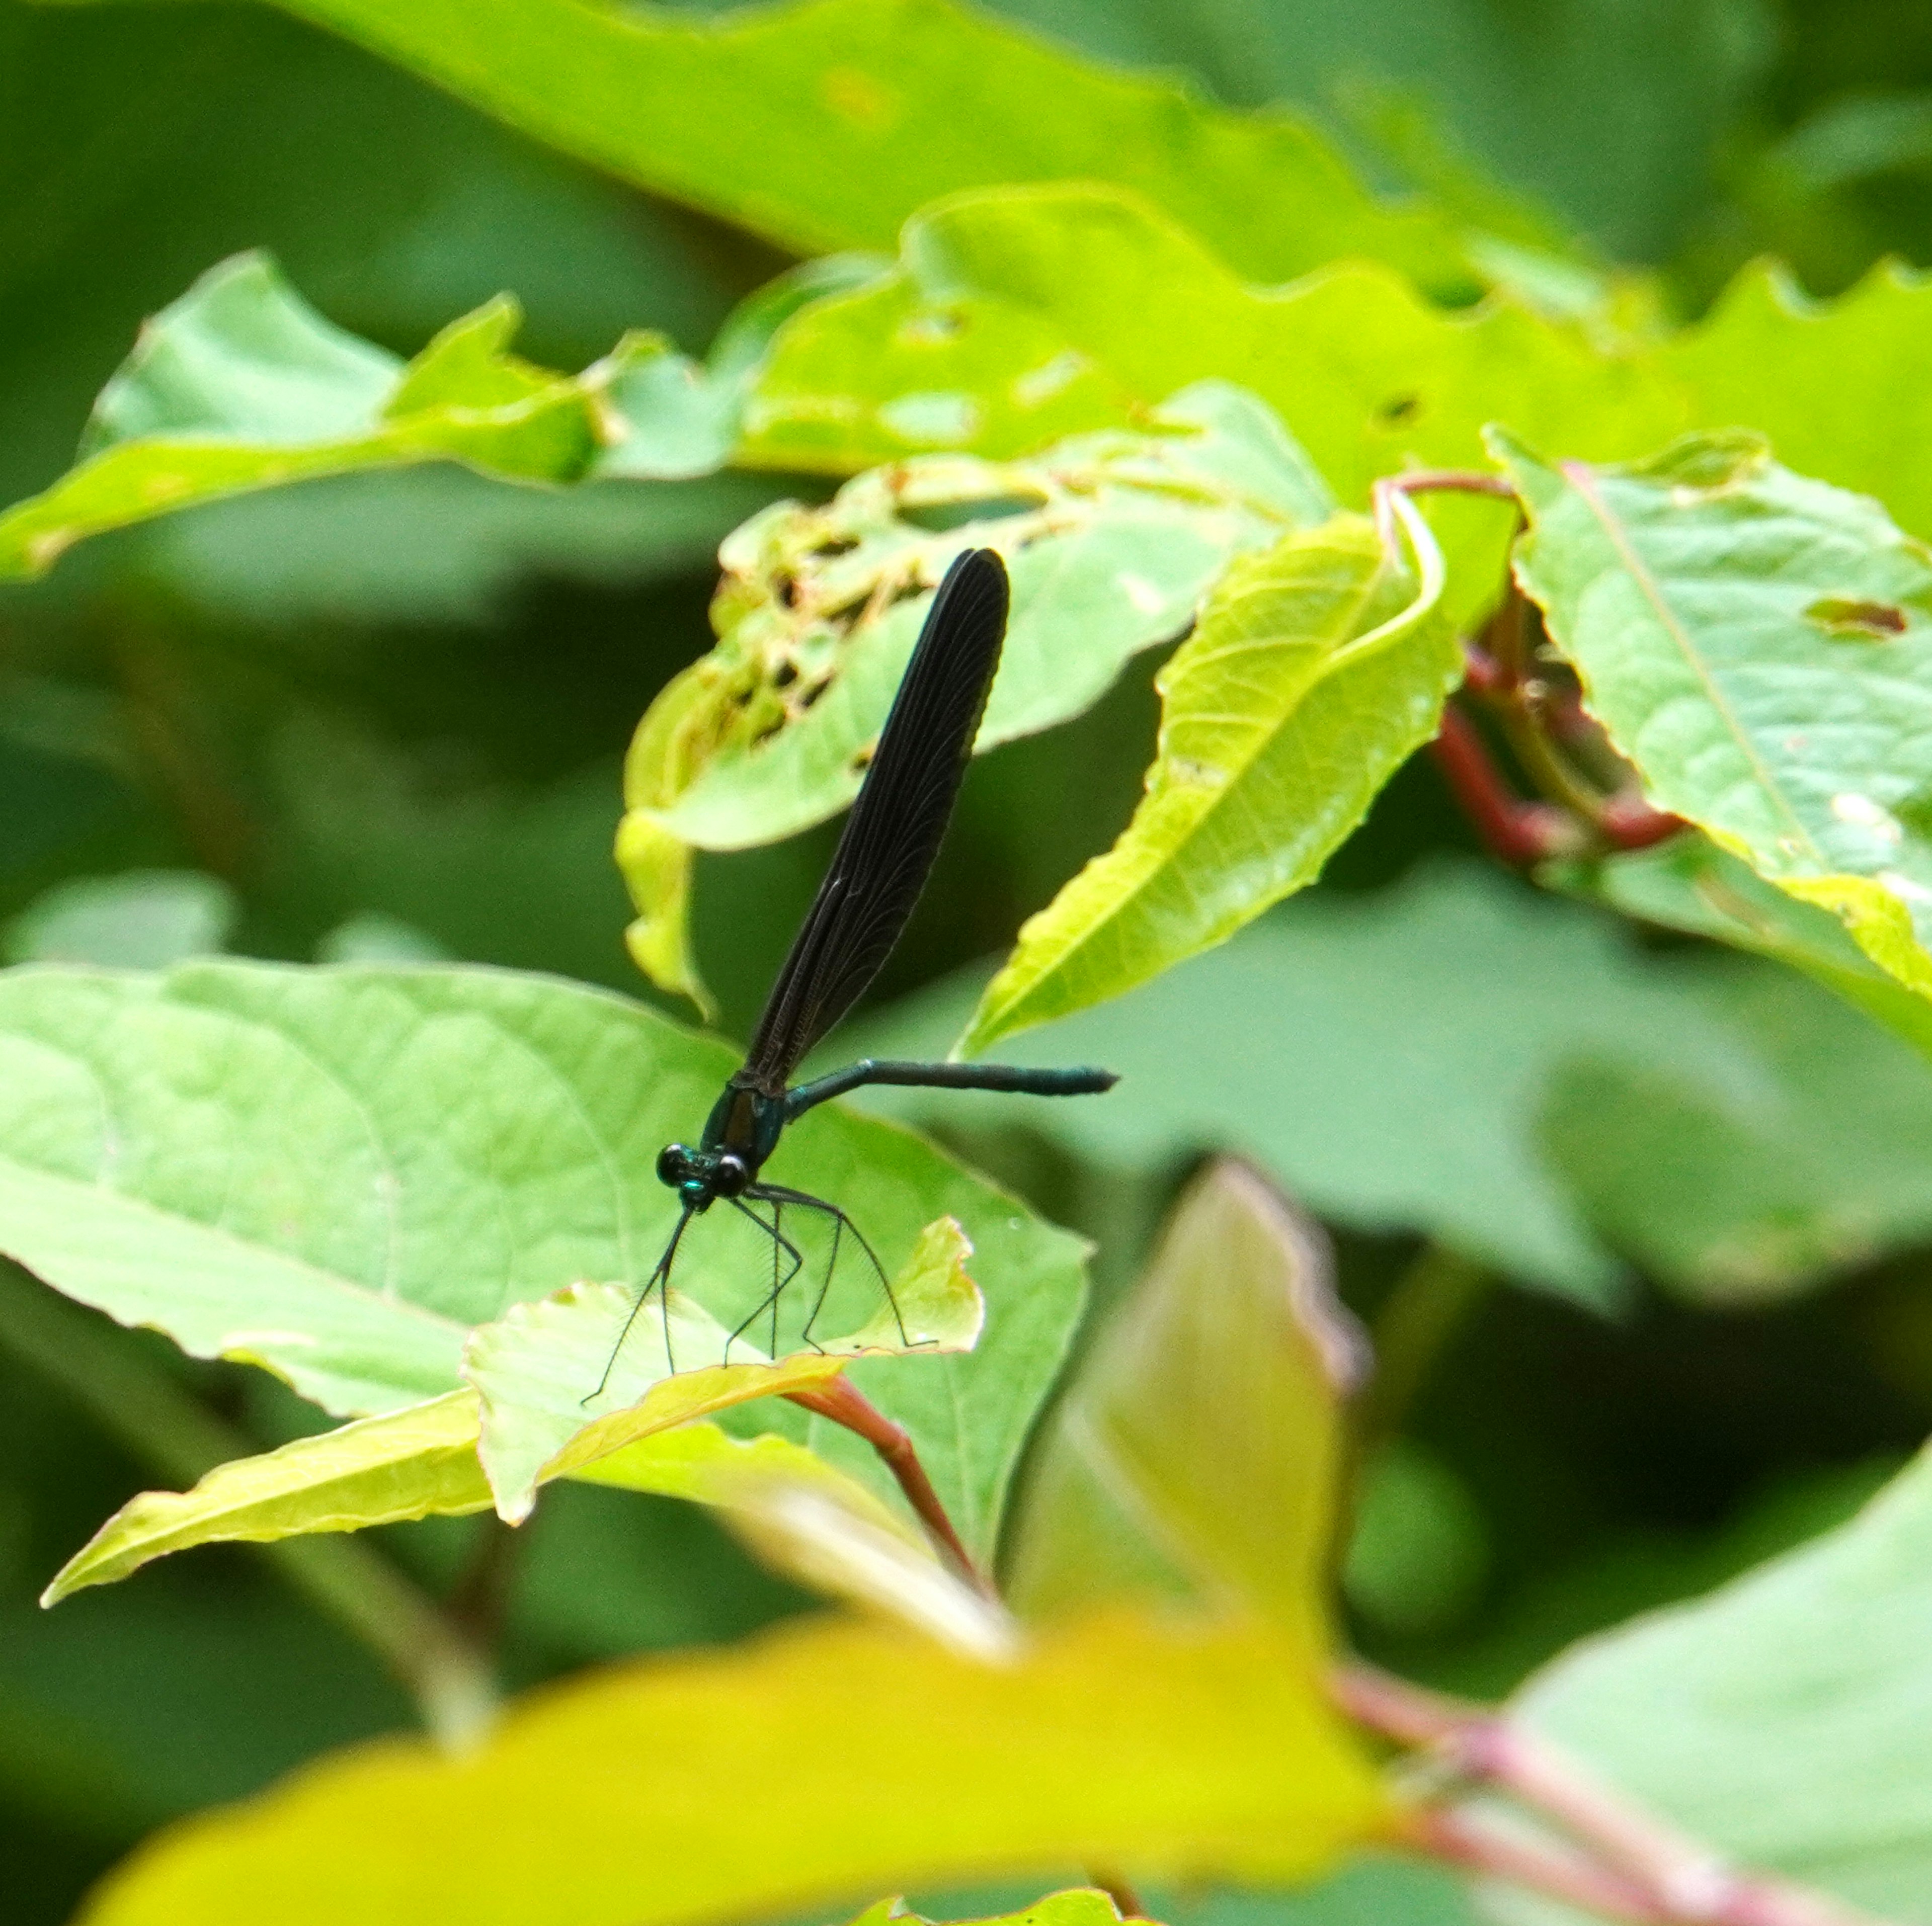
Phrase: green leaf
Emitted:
{"points": [[1314, 672], [1046, 311], [1809, 1163], [417, 1462], [143, 919], [1786, 1718], [1233, 1350], [1690, 884], [530, 1368], [824, 125], [1116, 1741], [1387, 1058], [240, 385], [1111, 539], [1756, 644], [338, 1173]]}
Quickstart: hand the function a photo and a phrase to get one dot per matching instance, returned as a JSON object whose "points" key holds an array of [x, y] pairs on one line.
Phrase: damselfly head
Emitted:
{"points": [[700, 1177]]}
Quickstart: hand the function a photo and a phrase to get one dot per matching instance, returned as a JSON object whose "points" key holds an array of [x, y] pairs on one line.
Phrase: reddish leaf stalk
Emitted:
{"points": [[1645, 1870], [1520, 834], [843, 1402]]}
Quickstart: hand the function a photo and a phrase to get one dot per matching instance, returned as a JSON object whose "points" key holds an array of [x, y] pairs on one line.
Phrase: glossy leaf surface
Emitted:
{"points": [[1316, 669], [1759, 645], [338, 1173], [1112, 1741]]}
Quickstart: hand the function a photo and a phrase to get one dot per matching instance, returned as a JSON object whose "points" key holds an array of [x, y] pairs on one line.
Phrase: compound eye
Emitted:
{"points": [[673, 1164], [731, 1175]]}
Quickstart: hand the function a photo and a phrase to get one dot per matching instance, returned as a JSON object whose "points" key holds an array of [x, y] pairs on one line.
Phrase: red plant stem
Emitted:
{"points": [[1520, 834], [1461, 1838], [842, 1401], [1683, 1882], [1126, 1901]]}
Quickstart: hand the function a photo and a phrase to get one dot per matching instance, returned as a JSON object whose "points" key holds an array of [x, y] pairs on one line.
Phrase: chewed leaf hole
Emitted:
{"points": [[1855, 620], [941, 518]]}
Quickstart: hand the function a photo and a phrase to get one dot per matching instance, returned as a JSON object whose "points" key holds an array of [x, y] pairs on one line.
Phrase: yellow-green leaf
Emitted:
{"points": [[423, 1461], [1315, 671], [677, 1790], [1232, 1351], [1082, 1906], [646, 1373]]}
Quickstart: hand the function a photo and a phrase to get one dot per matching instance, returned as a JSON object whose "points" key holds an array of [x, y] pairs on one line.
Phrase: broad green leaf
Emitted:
{"points": [[1786, 1718], [1690, 884], [337, 1173], [1111, 539], [143, 919], [1159, 1749], [240, 385], [1756, 644], [666, 1366], [1233, 1351], [1338, 1044], [416, 1462], [1812, 1163], [823, 125], [1315, 670]]}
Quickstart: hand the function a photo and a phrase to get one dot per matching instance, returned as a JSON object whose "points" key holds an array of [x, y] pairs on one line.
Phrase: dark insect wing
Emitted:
{"points": [[896, 824]]}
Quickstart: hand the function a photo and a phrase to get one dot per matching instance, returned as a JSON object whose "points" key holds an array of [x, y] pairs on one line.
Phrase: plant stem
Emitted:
{"points": [[1126, 1901], [843, 1402], [174, 1433], [1518, 833], [1641, 1860]]}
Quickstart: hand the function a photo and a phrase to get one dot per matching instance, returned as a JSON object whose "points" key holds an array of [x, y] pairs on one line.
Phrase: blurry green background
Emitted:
{"points": [[386, 714]]}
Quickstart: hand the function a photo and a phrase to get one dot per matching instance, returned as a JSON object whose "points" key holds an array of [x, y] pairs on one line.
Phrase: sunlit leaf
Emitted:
{"points": [[1111, 541], [421, 1461], [1314, 672], [1113, 1742], [1082, 1906], [1786, 1718], [1757, 644], [1232, 1350], [824, 125], [240, 385], [338, 1173], [648, 1368]]}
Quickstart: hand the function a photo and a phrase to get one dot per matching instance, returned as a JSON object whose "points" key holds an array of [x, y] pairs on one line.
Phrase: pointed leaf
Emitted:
{"points": [[1759, 645], [422, 1461], [1786, 1718], [1115, 1741], [1082, 1906], [338, 1173], [1111, 541], [1315, 670], [531, 1368], [1234, 1351]]}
